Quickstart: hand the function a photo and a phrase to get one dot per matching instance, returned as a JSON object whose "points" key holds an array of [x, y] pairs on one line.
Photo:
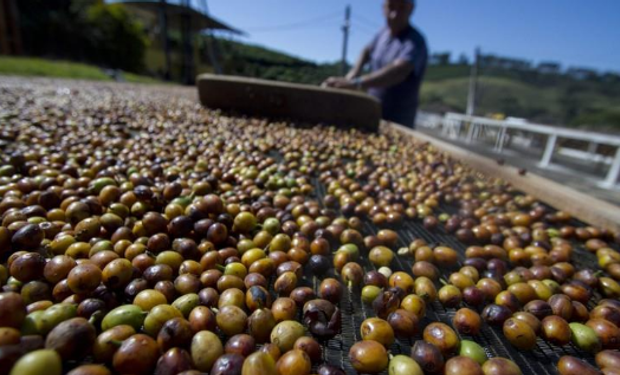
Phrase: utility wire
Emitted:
{"points": [[295, 25], [363, 28], [366, 21], [315, 26]]}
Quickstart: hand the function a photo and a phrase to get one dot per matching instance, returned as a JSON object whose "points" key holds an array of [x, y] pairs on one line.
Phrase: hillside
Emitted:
{"points": [[546, 98], [257, 61], [35, 67], [566, 101]]}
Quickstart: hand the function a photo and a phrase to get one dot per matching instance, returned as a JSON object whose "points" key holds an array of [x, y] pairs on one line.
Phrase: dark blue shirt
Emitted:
{"points": [[399, 102]]}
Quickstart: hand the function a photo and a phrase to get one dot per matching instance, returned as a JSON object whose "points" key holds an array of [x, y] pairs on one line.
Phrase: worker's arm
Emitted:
{"points": [[363, 59], [356, 70], [411, 59], [388, 76]]}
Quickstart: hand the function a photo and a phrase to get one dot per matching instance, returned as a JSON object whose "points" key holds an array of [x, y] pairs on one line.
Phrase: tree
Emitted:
{"points": [[442, 58], [115, 40], [463, 59], [82, 30]]}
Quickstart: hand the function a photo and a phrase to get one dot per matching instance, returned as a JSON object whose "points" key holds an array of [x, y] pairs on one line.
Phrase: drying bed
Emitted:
{"points": [[155, 159]]}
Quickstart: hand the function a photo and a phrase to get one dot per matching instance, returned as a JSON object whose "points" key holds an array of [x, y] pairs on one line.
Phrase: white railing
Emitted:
{"points": [[506, 132]]}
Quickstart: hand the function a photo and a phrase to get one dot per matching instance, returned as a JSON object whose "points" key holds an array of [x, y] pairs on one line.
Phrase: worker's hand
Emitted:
{"points": [[339, 83]]}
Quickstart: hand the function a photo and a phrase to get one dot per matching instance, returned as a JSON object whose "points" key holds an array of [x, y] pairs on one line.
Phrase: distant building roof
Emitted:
{"points": [[198, 20], [581, 73]]}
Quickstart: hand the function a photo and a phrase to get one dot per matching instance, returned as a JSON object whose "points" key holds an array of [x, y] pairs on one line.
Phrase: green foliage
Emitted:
{"points": [[136, 78], [601, 116], [256, 61], [256, 53], [46, 68], [82, 30], [439, 72], [545, 98], [22, 66], [115, 40]]}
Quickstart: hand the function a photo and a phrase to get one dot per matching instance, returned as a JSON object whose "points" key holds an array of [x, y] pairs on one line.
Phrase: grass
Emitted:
{"points": [[22, 66], [544, 104], [36, 67], [543, 99], [135, 78], [494, 92], [436, 73]]}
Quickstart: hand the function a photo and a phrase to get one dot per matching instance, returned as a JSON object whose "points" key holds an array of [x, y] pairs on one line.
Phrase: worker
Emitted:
{"points": [[397, 57]]}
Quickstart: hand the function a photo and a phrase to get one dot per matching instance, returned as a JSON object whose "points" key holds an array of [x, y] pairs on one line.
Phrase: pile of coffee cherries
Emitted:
{"points": [[143, 234]]}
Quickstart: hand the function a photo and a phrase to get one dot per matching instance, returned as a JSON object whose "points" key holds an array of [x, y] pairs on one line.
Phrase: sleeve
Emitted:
{"points": [[373, 43], [415, 52]]}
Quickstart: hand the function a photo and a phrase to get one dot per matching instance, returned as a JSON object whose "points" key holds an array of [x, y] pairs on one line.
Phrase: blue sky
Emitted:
{"points": [[573, 32]]}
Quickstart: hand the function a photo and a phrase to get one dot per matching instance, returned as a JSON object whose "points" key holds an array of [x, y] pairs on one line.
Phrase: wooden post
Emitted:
{"points": [[470, 132], [473, 84], [345, 41], [10, 33], [549, 148], [592, 147], [444, 126], [187, 48], [16, 31], [499, 146], [163, 25], [614, 171], [457, 130], [4, 35]]}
